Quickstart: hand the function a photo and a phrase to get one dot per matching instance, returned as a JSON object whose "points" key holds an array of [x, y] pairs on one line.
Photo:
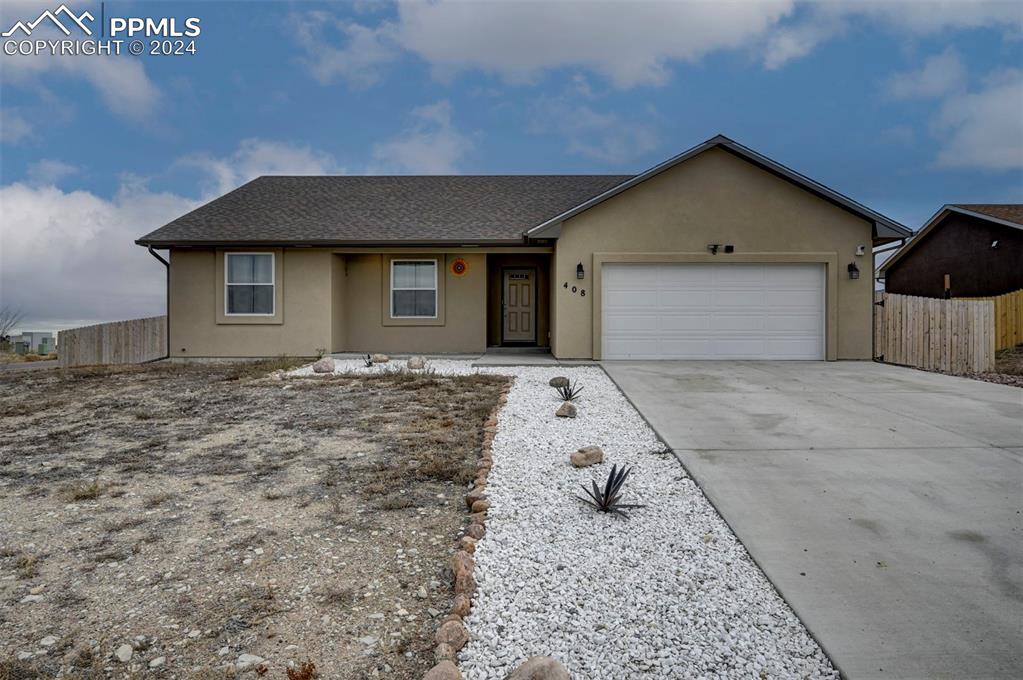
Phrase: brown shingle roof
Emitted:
{"points": [[365, 210], [1013, 212]]}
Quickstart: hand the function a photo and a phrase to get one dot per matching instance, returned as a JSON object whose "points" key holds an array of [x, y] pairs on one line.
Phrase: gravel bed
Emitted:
{"points": [[669, 592]]}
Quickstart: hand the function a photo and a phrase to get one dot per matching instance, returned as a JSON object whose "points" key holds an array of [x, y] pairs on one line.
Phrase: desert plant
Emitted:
{"points": [[569, 392], [304, 671], [368, 361], [608, 499]]}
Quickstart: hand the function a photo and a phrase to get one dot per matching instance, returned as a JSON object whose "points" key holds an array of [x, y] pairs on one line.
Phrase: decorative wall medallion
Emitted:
{"points": [[459, 267]]}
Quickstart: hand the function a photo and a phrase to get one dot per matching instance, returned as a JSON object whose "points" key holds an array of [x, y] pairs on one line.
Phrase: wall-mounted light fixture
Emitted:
{"points": [[861, 250], [580, 273], [994, 244], [854, 271], [713, 248]]}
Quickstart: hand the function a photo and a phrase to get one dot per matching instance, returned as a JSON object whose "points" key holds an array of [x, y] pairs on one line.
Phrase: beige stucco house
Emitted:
{"points": [[717, 253]]}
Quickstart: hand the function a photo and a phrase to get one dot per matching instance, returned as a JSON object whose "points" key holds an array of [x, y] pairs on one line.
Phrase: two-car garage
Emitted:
{"points": [[713, 311]]}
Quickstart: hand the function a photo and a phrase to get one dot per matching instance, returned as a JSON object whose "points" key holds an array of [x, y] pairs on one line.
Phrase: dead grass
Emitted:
{"points": [[265, 514], [1010, 361], [27, 565], [81, 491], [304, 671]]}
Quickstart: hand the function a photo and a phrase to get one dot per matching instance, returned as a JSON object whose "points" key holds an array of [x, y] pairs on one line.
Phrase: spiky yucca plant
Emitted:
{"points": [[569, 392], [608, 499]]}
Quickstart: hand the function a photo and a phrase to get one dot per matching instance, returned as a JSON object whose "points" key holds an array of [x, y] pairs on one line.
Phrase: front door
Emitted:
{"points": [[519, 305]]}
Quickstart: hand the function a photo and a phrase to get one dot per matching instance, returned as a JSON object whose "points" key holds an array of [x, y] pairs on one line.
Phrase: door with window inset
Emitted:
{"points": [[519, 305]]}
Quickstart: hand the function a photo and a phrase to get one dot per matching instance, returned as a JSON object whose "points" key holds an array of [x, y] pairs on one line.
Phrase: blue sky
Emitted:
{"points": [[902, 106]]}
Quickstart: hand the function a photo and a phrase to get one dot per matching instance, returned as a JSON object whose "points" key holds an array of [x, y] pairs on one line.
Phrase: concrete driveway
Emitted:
{"points": [[883, 502]]}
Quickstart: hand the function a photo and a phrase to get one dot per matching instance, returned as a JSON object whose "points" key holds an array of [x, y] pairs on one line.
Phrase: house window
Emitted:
{"points": [[250, 284], [414, 289]]}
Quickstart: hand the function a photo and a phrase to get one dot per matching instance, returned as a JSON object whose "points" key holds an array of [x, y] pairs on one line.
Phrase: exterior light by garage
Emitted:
{"points": [[854, 271], [580, 273]]}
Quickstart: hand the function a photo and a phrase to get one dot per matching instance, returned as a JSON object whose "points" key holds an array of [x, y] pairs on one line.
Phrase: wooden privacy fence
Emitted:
{"points": [[1008, 319], [955, 336], [121, 342]]}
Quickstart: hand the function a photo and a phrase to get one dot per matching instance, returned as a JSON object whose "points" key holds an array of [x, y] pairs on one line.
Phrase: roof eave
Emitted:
{"points": [[328, 243]]}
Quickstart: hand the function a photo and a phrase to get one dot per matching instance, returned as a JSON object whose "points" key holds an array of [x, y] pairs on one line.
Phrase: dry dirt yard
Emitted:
{"points": [[184, 517]]}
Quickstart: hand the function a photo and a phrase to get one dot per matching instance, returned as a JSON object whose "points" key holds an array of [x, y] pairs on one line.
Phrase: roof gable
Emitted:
{"points": [[885, 229], [988, 212]]}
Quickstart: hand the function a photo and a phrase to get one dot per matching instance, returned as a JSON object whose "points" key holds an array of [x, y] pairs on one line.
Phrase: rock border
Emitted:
{"points": [[452, 634]]}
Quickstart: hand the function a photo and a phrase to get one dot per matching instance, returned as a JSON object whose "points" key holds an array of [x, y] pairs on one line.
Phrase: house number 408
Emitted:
{"points": [[581, 292]]}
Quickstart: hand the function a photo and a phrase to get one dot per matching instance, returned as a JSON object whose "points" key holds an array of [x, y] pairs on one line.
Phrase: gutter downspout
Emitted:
{"points": [[166, 264]]}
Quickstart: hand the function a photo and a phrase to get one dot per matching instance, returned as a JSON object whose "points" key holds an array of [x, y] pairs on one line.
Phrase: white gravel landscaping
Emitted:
{"points": [[668, 593]]}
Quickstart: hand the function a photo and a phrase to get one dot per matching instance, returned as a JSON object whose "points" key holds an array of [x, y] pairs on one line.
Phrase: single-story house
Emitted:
{"points": [[965, 250], [717, 253]]}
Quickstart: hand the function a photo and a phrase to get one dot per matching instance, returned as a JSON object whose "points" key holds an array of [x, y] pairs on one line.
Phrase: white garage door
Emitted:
{"points": [[713, 311]]}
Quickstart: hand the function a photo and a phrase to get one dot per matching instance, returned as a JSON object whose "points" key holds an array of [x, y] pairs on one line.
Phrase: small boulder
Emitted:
{"points": [[477, 494], [445, 670], [452, 633], [559, 382], [379, 358], [324, 365], [461, 606], [566, 410], [157, 662], [48, 641], [587, 455], [123, 653], [540, 668], [247, 660], [416, 363]]}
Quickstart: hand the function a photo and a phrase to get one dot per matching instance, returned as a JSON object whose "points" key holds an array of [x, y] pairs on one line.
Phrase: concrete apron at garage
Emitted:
{"points": [[883, 502]]}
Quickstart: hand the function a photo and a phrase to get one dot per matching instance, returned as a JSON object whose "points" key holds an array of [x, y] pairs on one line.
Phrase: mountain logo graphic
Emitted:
{"points": [[27, 28]]}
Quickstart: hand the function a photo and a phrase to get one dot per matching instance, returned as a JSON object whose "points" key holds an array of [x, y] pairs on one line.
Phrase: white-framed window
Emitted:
{"points": [[413, 289], [249, 284]]}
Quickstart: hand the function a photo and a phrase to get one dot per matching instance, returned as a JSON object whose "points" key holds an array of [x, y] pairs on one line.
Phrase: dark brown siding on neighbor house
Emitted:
{"points": [[961, 247]]}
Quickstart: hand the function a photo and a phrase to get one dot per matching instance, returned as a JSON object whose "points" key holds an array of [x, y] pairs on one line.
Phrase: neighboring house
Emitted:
{"points": [[966, 250], [717, 253], [40, 342]]}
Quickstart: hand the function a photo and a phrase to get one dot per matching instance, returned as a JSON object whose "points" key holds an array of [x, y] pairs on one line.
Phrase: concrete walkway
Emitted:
{"points": [[883, 502]]}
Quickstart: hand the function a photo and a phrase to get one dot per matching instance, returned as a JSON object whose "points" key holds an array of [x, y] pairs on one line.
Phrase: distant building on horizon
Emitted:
{"points": [[40, 342]]}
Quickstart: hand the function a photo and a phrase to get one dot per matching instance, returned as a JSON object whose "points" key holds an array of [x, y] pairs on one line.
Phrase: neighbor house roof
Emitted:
{"points": [[885, 229], [345, 210], [1006, 214]]}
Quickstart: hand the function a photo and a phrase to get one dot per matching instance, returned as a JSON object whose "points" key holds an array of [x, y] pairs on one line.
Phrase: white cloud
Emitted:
{"points": [[599, 136], [430, 145], [13, 126], [825, 20], [255, 157], [49, 171], [984, 129], [798, 40], [940, 75], [631, 43], [71, 255], [121, 82], [359, 62]]}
